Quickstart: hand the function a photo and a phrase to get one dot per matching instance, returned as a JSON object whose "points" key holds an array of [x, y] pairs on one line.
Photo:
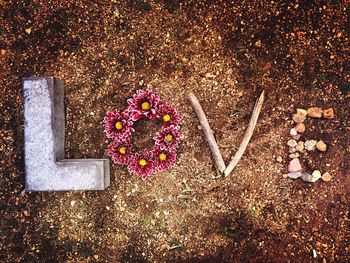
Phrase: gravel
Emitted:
{"points": [[314, 112], [299, 118], [321, 146], [310, 145], [300, 127], [294, 165], [328, 113], [294, 175], [326, 177], [300, 147], [292, 143]]}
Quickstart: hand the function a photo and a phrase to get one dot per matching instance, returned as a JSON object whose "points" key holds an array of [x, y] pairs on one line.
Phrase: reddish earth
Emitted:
{"points": [[226, 52]]}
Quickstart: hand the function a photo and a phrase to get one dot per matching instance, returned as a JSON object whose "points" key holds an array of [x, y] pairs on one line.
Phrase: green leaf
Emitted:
{"points": [[218, 173]]}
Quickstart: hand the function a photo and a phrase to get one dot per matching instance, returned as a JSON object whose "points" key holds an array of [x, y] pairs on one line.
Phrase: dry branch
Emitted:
{"points": [[219, 162], [247, 136]]}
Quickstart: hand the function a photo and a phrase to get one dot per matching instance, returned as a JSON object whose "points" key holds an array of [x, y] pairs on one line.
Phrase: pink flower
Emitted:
{"points": [[168, 114], [118, 125], [120, 151], [169, 137], [163, 159], [143, 103], [142, 164]]}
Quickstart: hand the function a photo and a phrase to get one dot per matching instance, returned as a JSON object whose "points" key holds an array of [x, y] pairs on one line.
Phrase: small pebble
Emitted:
{"points": [[292, 143], [294, 175], [300, 146], [301, 112], [285, 176], [292, 150], [326, 177], [258, 43], [208, 75], [306, 177], [310, 145], [199, 127], [293, 132], [328, 113], [294, 166], [294, 155], [296, 137], [300, 127], [311, 178], [321, 146], [316, 174], [314, 112], [298, 118], [279, 159]]}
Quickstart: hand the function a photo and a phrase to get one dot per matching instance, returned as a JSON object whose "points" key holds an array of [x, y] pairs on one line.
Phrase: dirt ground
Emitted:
{"points": [[226, 52]]}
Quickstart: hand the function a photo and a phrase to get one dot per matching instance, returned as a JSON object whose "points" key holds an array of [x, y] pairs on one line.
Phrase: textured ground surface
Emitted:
{"points": [[298, 51]]}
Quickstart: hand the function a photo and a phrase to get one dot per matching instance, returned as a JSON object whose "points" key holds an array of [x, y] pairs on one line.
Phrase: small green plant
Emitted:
{"points": [[81, 146]]}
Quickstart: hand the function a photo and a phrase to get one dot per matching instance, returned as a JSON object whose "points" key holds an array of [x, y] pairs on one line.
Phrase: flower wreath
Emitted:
{"points": [[119, 127]]}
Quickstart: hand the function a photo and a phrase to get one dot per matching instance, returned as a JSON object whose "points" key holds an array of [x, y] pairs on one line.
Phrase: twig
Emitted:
{"points": [[219, 162], [175, 247], [247, 136]]}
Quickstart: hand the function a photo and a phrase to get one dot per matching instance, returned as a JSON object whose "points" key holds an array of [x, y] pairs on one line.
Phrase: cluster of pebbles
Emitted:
{"points": [[297, 146]]}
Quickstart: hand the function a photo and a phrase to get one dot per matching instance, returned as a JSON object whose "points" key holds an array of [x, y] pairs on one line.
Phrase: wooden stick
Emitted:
{"points": [[219, 162], [247, 136]]}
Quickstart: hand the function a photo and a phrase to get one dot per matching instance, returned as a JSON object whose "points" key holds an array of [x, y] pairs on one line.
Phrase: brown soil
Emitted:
{"points": [[226, 52]]}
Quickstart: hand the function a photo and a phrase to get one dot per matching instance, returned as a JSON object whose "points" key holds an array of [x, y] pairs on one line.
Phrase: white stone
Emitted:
{"points": [[293, 132], [310, 145], [294, 175], [44, 136], [311, 178], [292, 143]]}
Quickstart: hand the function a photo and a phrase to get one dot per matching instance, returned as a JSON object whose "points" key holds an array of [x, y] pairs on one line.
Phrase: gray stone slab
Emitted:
{"points": [[44, 137]]}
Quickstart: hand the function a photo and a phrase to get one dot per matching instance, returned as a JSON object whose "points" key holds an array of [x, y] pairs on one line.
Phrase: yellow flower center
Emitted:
{"points": [[169, 138], [145, 105], [162, 156], [119, 125], [166, 117], [143, 162], [122, 150]]}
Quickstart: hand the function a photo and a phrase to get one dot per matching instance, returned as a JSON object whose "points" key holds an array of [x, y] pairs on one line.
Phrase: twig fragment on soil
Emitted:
{"points": [[214, 148], [247, 135], [175, 247]]}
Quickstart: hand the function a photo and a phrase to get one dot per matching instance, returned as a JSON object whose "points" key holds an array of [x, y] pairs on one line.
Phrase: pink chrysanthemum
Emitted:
{"points": [[169, 137], [120, 151], [141, 164], [118, 125], [163, 159], [168, 114], [143, 103]]}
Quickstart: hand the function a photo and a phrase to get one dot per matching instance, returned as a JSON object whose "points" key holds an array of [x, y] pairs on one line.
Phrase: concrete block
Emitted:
{"points": [[44, 137]]}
